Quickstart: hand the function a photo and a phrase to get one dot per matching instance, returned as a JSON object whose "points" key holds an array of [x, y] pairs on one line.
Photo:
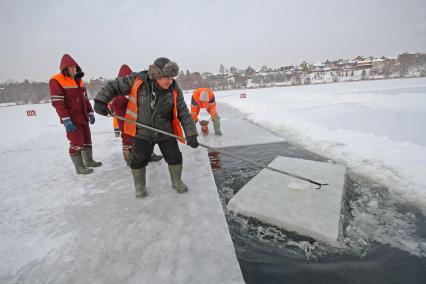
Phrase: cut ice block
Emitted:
{"points": [[299, 185], [293, 204]]}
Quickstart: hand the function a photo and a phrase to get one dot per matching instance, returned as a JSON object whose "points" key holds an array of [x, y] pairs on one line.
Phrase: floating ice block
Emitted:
{"points": [[293, 204]]}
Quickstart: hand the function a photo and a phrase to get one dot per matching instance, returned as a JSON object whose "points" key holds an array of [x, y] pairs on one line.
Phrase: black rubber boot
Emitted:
{"points": [[139, 178], [87, 155], [127, 154], [176, 178], [216, 125], [155, 158]]}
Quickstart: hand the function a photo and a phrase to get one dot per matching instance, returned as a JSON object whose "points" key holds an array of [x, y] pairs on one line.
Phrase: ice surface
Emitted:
{"points": [[57, 227], [236, 130], [292, 204], [301, 185]]}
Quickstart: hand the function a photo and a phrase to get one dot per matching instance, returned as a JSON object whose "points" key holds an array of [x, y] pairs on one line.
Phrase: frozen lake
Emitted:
{"points": [[55, 224]]}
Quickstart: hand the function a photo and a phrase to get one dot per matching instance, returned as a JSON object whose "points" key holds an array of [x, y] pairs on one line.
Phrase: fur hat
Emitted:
{"points": [[163, 67]]}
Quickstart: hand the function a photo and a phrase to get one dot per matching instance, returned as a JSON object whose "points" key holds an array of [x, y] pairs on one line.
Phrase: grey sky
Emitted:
{"points": [[200, 35]]}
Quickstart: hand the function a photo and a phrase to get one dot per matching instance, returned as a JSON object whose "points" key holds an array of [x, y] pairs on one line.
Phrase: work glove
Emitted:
{"points": [[69, 126], [192, 141], [101, 108], [92, 118]]}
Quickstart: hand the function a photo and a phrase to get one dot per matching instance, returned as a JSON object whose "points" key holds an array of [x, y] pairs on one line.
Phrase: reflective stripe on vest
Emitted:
{"points": [[132, 111]]}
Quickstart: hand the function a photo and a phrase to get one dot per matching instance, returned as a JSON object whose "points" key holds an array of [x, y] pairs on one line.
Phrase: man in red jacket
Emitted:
{"points": [[69, 97], [119, 107]]}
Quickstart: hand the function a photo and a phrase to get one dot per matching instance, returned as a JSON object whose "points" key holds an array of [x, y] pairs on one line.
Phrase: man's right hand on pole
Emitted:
{"points": [[192, 141]]}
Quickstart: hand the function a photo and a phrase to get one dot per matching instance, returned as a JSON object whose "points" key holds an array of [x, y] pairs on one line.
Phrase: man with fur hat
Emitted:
{"points": [[119, 107], [155, 100], [69, 97]]}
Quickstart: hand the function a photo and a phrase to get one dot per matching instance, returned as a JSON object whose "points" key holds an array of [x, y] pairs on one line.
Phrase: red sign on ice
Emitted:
{"points": [[31, 112]]}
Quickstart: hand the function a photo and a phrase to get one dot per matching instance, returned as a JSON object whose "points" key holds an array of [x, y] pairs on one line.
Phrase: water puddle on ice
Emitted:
{"points": [[381, 241]]}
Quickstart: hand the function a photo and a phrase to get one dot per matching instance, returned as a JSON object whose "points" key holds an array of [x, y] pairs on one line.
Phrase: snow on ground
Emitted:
{"points": [[58, 227], [376, 128], [236, 130]]}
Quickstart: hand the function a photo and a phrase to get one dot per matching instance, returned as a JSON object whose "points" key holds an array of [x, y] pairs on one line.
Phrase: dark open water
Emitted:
{"points": [[381, 242]]}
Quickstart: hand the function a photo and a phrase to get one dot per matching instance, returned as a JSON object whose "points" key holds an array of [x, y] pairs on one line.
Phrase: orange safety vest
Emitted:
{"points": [[67, 82], [201, 104], [132, 112]]}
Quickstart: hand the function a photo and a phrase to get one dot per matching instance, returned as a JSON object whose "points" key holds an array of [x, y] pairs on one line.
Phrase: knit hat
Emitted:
{"points": [[162, 67], [204, 96]]}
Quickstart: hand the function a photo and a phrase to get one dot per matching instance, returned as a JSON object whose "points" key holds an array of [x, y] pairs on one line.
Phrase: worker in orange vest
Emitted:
{"points": [[204, 98], [69, 97], [155, 100]]}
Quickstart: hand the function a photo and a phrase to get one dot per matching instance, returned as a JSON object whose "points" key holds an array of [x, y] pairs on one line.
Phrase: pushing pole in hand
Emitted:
{"points": [[254, 163]]}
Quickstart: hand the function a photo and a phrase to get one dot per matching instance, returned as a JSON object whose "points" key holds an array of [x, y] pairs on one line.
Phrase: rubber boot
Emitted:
{"points": [[216, 125], [176, 178], [87, 155], [77, 160], [127, 154], [139, 178], [155, 158]]}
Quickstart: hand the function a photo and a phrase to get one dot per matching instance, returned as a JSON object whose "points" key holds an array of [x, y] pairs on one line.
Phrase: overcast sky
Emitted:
{"points": [[200, 35]]}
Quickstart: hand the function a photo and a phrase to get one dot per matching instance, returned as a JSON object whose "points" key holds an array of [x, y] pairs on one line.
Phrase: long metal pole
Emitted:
{"points": [[254, 163]]}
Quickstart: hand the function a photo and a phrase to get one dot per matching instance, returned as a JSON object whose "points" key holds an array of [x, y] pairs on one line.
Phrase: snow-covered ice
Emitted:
{"points": [[293, 204], [58, 227], [237, 131], [375, 128]]}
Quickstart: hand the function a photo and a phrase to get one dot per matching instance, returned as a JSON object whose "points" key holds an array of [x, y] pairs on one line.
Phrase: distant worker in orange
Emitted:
{"points": [[204, 98]]}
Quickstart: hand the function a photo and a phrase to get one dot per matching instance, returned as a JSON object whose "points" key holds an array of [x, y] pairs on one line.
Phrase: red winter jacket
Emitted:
{"points": [[69, 96], [119, 103]]}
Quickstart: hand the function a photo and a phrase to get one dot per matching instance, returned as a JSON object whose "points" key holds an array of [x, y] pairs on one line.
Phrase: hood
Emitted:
{"points": [[66, 61], [124, 71]]}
